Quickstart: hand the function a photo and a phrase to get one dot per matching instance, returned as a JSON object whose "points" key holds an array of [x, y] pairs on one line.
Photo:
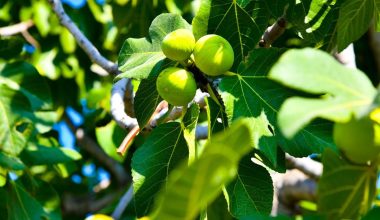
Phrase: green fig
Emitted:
{"points": [[178, 45], [177, 86], [358, 139], [213, 55]]}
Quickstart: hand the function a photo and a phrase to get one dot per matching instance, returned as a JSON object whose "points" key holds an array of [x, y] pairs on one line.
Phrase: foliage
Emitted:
{"points": [[273, 101]]}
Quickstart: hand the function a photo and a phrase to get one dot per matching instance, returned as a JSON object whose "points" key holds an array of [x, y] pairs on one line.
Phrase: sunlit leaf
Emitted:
{"points": [[340, 91], [191, 188], [142, 58]]}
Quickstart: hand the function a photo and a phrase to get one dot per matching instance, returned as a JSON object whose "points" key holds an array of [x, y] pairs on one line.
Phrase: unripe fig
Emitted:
{"points": [[213, 55], [177, 86], [358, 139], [178, 45]]}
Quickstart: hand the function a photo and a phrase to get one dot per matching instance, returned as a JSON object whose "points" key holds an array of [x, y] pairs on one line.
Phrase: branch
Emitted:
{"points": [[290, 188], [119, 89], [82, 40], [309, 167], [123, 203], [273, 32], [16, 28]]}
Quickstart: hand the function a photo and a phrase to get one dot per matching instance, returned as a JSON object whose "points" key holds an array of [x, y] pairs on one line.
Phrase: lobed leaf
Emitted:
{"points": [[142, 58], [354, 20], [250, 92], [340, 91]]}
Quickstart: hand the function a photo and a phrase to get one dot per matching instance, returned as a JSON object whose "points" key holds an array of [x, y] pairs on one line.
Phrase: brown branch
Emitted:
{"points": [[16, 28], [91, 51], [273, 32]]}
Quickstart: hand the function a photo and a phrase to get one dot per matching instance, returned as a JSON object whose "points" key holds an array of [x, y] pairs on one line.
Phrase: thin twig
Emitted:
{"points": [[16, 28], [91, 51], [123, 203]]}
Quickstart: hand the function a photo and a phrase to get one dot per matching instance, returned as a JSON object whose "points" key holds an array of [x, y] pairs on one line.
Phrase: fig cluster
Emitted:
{"points": [[358, 139], [212, 55]]}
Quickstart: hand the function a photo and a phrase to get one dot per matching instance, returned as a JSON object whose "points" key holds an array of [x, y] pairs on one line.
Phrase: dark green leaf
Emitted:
{"points": [[342, 91], [355, 17], [39, 155], [217, 118], [252, 190], [218, 209], [10, 47], [143, 58], [11, 163], [146, 101], [191, 188], [345, 191], [23, 77], [154, 160], [373, 214], [315, 21], [21, 205]]}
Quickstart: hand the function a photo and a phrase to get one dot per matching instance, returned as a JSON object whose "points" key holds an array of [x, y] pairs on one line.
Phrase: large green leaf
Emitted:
{"points": [[21, 205], [250, 92], [146, 101], [242, 23], [345, 191], [340, 91], [354, 20], [23, 77], [142, 58], [252, 190], [315, 21], [38, 155], [154, 160], [191, 188]]}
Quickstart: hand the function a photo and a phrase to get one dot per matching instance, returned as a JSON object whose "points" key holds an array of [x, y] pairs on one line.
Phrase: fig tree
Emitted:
{"points": [[178, 45], [213, 55], [177, 86], [358, 139]]}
